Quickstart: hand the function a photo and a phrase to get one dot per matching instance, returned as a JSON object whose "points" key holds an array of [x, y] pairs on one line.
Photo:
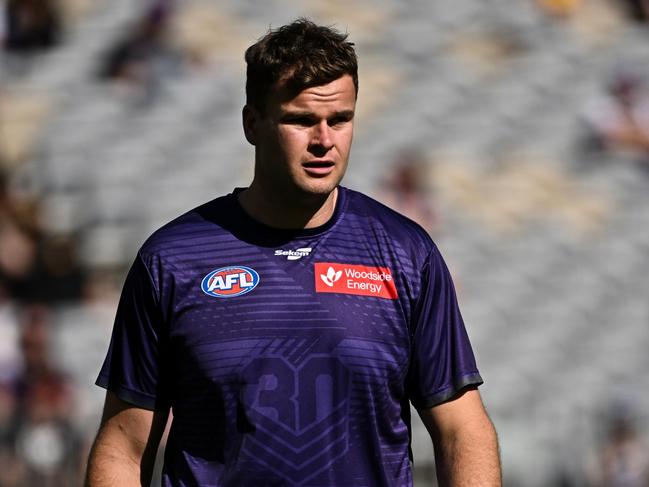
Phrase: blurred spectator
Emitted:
{"points": [[56, 265], [619, 121], [35, 266], [405, 190], [623, 460], [145, 56], [32, 25], [42, 444], [41, 447], [18, 242]]}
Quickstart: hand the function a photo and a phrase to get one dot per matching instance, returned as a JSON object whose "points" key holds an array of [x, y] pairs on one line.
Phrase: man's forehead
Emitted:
{"points": [[340, 86], [340, 92]]}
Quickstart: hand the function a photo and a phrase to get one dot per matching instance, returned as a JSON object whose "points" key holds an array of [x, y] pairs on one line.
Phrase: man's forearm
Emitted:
{"points": [[124, 451], [107, 468], [469, 458], [115, 462]]}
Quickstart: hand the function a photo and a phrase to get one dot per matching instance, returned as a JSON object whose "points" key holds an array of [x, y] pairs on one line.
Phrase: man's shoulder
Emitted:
{"points": [[372, 213], [190, 228]]}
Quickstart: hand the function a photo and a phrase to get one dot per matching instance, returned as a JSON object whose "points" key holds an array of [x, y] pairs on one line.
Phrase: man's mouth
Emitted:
{"points": [[318, 168]]}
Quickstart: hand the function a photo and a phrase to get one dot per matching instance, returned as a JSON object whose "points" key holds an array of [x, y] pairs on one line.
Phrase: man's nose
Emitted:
{"points": [[322, 135]]}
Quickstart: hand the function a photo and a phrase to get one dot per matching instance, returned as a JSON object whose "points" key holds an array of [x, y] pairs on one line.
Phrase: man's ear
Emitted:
{"points": [[250, 117]]}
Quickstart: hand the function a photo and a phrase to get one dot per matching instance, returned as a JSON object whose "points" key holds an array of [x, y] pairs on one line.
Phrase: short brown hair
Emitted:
{"points": [[303, 55]]}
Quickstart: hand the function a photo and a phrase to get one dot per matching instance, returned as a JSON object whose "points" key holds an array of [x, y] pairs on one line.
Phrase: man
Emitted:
{"points": [[290, 324]]}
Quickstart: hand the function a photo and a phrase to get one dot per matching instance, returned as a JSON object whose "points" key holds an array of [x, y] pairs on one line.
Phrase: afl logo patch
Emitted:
{"points": [[228, 282]]}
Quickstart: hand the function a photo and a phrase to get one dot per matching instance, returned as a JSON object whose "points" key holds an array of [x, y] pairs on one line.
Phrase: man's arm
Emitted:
{"points": [[466, 446], [126, 445]]}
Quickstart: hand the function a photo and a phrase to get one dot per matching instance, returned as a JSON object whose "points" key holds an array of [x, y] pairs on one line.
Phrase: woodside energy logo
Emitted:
{"points": [[332, 277]]}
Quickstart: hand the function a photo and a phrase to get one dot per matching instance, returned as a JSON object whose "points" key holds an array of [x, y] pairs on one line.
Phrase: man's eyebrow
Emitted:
{"points": [[309, 114], [296, 113], [344, 114]]}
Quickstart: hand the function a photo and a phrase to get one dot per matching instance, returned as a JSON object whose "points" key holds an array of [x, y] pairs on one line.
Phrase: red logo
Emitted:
{"points": [[354, 279]]}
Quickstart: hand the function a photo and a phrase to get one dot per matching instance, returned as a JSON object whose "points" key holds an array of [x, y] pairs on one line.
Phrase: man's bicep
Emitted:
{"points": [[462, 410], [465, 441], [132, 431]]}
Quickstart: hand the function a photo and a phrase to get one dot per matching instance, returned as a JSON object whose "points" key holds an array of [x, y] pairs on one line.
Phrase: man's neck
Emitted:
{"points": [[277, 211]]}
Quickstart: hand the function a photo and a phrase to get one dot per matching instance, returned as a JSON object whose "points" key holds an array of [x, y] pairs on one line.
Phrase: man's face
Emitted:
{"points": [[303, 141]]}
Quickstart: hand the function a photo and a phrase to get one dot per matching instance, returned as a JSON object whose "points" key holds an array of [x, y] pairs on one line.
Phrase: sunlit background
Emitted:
{"points": [[515, 131]]}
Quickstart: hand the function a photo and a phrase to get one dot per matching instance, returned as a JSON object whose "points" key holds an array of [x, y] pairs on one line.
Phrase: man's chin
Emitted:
{"points": [[320, 185], [319, 188]]}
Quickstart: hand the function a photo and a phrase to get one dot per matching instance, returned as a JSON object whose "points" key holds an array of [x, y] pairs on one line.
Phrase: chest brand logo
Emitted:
{"points": [[331, 276], [231, 281], [294, 254], [354, 279]]}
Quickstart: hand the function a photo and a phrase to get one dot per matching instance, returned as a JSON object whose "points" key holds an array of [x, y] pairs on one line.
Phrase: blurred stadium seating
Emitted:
{"points": [[549, 243]]}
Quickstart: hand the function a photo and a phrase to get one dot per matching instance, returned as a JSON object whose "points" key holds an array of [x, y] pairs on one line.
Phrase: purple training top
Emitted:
{"points": [[289, 357]]}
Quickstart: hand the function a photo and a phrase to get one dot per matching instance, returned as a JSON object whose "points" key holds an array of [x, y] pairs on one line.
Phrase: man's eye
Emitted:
{"points": [[303, 121], [340, 120], [337, 121]]}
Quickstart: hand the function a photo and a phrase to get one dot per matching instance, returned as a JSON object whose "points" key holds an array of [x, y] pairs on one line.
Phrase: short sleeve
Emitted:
{"points": [[133, 368], [442, 360]]}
